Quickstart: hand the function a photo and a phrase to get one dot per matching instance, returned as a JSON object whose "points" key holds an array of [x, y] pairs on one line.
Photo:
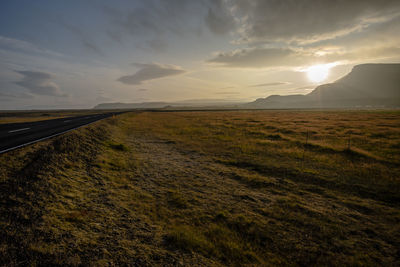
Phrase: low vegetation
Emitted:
{"points": [[247, 188]]}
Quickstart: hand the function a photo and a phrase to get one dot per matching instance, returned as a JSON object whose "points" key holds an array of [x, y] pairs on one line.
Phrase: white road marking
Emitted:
{"points": [[67, 120], [23, 129]]}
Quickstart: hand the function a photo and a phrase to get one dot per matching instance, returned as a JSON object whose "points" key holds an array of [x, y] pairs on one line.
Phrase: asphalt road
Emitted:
{"points": [[15, 135]]}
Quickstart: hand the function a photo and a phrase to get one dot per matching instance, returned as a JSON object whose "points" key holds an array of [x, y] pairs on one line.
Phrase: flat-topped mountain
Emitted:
{"points": [[367, 85]]}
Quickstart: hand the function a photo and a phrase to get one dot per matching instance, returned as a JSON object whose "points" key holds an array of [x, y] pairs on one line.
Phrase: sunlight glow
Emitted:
{"points": [[318, 73]]}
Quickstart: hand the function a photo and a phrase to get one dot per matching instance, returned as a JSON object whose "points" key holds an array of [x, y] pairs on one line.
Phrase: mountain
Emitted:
{"points": [[367, 85], [192, 103], [131, 105]]}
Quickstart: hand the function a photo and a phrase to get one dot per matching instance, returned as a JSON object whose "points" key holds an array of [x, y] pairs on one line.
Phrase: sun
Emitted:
{"points": [[318, 73]]}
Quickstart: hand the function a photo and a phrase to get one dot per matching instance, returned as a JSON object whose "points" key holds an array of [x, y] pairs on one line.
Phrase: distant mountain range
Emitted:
{"points": [[367, 85], [194, 103], [131, 105]]}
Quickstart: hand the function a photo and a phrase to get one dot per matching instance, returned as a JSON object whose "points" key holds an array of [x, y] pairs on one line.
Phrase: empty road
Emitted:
{"points": [[14, 135]]}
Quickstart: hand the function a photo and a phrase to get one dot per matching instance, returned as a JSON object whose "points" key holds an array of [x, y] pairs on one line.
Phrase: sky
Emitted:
{"points": [[78, 53]]}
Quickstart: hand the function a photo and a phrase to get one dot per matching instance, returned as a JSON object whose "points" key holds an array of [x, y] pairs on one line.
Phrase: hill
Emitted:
{"points": [[143, 105], [185, 104], [367, 85]]}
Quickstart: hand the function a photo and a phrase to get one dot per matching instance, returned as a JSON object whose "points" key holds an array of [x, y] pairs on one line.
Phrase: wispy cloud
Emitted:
{"points": [[101, 98], [307, 21], [267, 57], [84, 38], [219, 19], [155, 21], [259, 57], [281, 34], [25, 47], [269, 84], [39, 83], [150, 72], [227, 93], [305, 87], [5, 96]]}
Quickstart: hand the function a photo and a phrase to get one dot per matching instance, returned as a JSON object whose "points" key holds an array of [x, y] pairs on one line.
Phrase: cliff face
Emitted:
{"points": [[372, 85]]}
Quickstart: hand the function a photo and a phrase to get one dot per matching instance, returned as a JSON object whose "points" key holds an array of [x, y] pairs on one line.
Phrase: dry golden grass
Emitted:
{"points": [[208, 189]]}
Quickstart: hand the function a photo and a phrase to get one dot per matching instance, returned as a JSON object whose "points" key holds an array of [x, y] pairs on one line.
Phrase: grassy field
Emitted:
{"points": [[243, 188]]}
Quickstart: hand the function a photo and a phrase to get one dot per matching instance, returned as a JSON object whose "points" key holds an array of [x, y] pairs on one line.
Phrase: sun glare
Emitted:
{"points": [[318, 73]]}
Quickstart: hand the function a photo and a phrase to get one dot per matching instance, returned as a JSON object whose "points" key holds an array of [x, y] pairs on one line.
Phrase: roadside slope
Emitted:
{"points": [[64, 202]]}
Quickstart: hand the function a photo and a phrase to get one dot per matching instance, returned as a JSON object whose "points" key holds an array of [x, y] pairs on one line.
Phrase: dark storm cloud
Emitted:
{"points": [[150, 72], [39, 83]]}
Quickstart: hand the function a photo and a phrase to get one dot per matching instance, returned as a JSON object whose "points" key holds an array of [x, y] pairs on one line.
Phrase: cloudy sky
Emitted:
{"points": [[78, 53]]}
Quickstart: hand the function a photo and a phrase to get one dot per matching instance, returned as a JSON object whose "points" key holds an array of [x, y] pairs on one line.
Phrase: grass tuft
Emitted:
{"points": [[119, 147]]}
